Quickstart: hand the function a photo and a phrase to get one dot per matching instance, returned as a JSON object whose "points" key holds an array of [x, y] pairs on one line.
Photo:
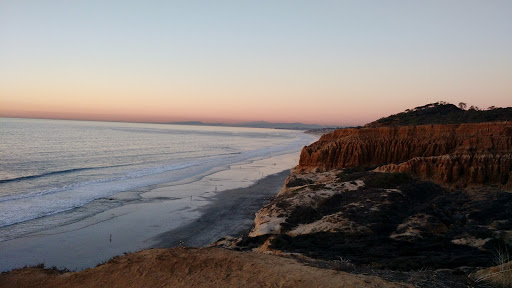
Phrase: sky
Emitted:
{"points": [[325, 62]]}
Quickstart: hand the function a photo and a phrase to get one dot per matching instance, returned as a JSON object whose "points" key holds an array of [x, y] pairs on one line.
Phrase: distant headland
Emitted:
{"points": [[260, 124]]}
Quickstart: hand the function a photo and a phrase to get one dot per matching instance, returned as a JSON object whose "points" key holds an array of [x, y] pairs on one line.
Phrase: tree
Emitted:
{"points": [[462, 105]]}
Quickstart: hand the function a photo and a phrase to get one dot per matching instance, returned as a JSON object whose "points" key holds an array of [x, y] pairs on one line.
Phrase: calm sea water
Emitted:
{"points": [[49, 167]]}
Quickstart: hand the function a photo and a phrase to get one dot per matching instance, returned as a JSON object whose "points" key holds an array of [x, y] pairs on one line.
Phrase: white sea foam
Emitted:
{"points": [[63, 192]]}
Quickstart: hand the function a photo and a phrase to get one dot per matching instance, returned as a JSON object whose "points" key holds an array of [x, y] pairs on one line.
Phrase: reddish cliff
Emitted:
{"points": [[459, 153]]}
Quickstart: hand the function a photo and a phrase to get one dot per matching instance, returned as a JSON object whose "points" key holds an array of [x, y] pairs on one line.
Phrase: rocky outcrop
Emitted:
{"points": [[386, 220], [460, 154], [336, 204], [299, 203]]}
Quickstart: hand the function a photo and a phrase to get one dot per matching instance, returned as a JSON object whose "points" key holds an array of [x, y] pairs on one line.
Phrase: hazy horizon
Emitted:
{"points": [[168, 122], [328, 62]]}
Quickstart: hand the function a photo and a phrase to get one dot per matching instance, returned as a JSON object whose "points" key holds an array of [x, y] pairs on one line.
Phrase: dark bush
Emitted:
{"points": [[301, 215], [386, 180]]}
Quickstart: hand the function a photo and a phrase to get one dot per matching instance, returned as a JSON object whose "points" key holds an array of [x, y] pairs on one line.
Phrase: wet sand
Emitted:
{"points": [[230, 214]]}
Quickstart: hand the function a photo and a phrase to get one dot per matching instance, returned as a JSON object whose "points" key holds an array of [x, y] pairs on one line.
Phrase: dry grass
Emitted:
{"points": [[499, 276]]}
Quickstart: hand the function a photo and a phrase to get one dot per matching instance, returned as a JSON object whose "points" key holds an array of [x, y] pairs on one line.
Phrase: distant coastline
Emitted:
{"points": [[260, 124], [253, 124]]}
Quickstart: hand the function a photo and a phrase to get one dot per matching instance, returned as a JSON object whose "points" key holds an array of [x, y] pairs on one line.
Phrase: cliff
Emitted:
{"points": [[336, 204], [461, 154]]}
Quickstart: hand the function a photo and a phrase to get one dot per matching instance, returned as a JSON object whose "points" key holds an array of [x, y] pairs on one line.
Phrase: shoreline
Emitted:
{"points": [[231, 213], [46, 190], [149, 222]]}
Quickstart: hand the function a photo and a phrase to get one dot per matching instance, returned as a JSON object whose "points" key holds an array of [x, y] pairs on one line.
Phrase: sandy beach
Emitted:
{"points": [[194, 213], [230, 214]]}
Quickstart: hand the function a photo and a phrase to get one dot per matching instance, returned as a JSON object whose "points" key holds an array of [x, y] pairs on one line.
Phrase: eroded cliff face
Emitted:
{"points": [[328, 210], [460, 154]]}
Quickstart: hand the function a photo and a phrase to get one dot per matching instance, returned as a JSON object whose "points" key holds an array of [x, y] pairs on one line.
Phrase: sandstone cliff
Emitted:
{"points": [[461, 154]]}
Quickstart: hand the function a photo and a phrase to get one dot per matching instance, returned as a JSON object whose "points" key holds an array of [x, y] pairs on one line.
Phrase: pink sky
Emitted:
{"points": [[325, 63]]}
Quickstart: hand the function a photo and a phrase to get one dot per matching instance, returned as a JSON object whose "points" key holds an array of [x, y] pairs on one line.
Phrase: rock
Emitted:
{"points": [[338, 202], [226, 242], [414, 226], [459, 154], [294, 181]]}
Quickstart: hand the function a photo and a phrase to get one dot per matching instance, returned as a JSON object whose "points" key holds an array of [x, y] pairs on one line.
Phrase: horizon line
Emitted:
{"points": [[170, 122]]}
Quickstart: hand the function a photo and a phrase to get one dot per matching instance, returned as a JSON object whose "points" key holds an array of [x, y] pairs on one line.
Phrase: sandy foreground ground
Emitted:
{"points": [[194, 267]]}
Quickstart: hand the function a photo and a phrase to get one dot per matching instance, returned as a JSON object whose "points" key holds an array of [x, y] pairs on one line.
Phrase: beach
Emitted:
{"points": [[231, 213], [193, 213], [74, 194]]}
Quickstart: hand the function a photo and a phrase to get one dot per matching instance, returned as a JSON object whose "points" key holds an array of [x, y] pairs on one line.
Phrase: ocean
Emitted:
{"points": [[55, 172]]}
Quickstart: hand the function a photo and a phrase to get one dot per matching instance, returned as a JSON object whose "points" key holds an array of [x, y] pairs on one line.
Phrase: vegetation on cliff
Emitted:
{"points": [[444, 113], [387, 220]]}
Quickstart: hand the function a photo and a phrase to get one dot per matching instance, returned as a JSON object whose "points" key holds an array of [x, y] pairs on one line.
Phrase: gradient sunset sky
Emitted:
{"points": [[326, 62]]}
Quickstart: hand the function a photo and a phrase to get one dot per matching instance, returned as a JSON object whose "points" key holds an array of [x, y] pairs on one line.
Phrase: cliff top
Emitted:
{"points": [[444, 113], [189, 267]]}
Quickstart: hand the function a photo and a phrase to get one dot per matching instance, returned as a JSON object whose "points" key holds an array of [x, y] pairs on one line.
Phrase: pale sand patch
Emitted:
{"points": [[237, 176]]}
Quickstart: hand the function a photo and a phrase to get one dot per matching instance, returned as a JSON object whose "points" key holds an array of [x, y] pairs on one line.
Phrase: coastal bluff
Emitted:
{"points": [[444, 203], [456, 154]]}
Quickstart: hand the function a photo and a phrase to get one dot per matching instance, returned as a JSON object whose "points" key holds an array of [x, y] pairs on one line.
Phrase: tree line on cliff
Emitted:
{"points": [[444, 113]]}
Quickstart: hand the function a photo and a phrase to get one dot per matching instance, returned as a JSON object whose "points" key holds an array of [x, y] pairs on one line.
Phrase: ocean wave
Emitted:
{"points": [[132, 174], [52, 173], [21, 208]]}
